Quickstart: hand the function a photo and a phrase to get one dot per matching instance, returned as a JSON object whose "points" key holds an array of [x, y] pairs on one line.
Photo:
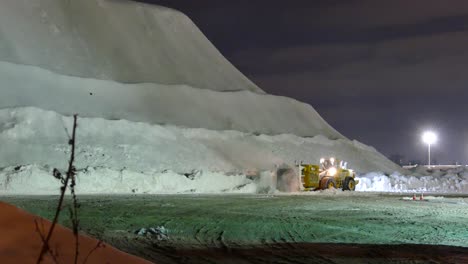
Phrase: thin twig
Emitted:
{"points": [[74, 215], [43, 239], [98, 245], [45, 245]]}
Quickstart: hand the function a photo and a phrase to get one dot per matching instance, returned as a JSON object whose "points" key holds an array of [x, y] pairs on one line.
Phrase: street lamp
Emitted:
{"points": [[429, 138]]}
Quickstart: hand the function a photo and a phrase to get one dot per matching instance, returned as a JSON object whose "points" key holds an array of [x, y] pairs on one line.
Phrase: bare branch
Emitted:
{"points": [[98, 245], [70, 171], [74, 214], [41, 235]]}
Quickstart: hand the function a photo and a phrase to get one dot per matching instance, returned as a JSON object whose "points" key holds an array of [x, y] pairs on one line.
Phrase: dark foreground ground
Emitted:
{"points": [[314, 228]]}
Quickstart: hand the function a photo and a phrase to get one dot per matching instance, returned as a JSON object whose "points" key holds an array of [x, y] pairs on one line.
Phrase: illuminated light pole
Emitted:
{"points": [[429, 138]]}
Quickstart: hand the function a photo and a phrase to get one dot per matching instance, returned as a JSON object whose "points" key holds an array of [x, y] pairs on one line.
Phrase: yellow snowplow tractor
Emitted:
{"points": [[330, 173]]}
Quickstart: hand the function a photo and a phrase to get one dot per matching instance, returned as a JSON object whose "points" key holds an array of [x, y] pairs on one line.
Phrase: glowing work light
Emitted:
{"points": [[429, 138]]}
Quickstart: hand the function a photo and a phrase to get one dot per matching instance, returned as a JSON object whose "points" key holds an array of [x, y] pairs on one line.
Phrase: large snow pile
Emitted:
{"points": [[121, 156], [133, 61], [445, 181], [155, 99], [124, 41]]}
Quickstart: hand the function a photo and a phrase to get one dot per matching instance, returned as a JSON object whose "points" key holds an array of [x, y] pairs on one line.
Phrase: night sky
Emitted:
{"points": [[380, 72]]}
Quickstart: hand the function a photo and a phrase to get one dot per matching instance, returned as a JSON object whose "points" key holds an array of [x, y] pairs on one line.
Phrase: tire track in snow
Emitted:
{"points": [[221, 241], [197, 235]]}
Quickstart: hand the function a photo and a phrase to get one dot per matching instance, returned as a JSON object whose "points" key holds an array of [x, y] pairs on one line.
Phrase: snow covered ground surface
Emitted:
{"points": [[320, 227]]}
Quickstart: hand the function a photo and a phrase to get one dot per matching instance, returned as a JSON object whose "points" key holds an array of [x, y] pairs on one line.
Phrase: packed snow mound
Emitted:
{"points": [[124, 41], [34, 136], [451, 181], [34, 180], [155, 103]]}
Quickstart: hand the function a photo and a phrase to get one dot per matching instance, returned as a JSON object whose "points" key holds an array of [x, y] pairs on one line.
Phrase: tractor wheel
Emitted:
{"points": [[349, 184], [327, 183]]}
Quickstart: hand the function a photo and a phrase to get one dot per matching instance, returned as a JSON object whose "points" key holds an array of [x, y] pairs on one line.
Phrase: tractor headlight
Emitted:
{"points": [[332, 171]]}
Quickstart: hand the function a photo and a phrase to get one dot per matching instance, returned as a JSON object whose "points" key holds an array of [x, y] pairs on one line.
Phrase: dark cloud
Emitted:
{"points": [[378, 71]]}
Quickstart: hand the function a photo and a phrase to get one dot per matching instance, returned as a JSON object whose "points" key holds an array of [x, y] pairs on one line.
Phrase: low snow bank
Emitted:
{"points": [[446, 182], [121, 156], [38, 180], [34, 136], [35, 180]]}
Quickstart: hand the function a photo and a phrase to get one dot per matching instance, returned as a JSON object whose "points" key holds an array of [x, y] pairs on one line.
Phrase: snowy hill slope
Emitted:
{"points": [[122, 41]]}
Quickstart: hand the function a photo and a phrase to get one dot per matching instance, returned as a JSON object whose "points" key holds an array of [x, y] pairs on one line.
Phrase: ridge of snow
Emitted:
{"points": [[27, 133], [179, 105], [38, 180], [448, 182]]}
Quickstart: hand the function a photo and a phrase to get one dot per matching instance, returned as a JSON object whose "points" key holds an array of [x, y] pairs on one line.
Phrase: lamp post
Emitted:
{"points": [[429, 138]]}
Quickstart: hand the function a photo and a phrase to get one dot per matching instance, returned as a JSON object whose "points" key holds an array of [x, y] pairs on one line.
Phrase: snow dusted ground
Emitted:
{"points": [[338, 227]]}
